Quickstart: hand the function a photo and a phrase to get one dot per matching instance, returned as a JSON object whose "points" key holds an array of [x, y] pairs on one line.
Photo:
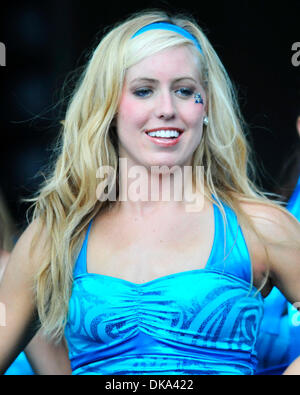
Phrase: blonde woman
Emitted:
{"points": [[140, 278]]}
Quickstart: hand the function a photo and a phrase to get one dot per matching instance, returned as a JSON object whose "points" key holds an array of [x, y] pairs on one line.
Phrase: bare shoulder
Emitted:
{"points": [[29, 249], [271, 220], [275, 245]]}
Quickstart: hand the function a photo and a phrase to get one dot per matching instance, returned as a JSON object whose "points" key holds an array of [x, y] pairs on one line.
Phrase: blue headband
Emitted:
{"points": [[172, 28]]}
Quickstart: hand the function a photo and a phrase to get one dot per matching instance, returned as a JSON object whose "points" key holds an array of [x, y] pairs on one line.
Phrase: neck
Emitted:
{"points": [[143, 190]]}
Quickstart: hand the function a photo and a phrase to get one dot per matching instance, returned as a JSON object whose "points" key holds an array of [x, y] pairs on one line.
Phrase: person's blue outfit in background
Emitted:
{"points": [[294, 202], [278, 343], [20, 366]]}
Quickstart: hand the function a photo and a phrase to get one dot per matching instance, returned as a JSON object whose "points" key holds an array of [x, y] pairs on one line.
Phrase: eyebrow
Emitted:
{"points": [[153, 80]]}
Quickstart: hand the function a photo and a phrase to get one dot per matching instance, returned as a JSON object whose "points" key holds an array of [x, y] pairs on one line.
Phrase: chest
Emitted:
{"points": [[187, 313], [140, 251]]}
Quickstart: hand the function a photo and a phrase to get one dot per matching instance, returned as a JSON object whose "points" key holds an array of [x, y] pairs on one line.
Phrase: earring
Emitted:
{"points": [[205, 121], [198, 98]]}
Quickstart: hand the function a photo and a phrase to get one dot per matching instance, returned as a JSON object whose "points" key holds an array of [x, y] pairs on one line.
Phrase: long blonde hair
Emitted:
{"points": [[67, 201]]}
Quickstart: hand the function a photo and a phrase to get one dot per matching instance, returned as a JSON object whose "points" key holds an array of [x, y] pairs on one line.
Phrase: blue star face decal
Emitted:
{"points": [[198, 98]]}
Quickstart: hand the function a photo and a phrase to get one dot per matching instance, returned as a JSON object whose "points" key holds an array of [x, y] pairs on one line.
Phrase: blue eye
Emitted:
{"points": [[142, 92], [185, 92]]}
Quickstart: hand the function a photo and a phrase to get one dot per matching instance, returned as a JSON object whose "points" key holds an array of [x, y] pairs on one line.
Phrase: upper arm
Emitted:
{"points": [[279, 247], [48, 358], [293, 369], [17, 299], [284, 256]]}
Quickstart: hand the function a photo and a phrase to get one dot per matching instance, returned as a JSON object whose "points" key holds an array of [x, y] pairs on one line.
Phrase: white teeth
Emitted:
{"points": [[164, 133]]}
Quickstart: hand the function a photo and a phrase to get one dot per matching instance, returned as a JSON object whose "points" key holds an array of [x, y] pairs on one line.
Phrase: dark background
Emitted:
{"points": [[46, 41]]}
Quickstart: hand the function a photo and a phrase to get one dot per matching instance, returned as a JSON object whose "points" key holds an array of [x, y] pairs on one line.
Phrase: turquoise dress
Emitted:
{"points": [[202, 321], [278, 342]]}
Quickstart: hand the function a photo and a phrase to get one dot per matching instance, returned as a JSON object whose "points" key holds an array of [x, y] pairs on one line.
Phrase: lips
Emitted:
{"points": [[164, 136]]}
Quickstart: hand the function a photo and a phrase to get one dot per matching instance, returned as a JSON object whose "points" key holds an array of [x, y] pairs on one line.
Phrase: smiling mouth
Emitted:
{"points": [[164, 137], [164, 133]]}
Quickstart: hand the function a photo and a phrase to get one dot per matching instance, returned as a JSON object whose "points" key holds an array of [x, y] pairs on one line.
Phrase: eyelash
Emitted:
{"points": [[139, 92], [146, 92]]}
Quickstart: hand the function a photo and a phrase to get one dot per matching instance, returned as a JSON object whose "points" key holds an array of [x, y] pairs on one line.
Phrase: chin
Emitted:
{"points": [[163, 162]]}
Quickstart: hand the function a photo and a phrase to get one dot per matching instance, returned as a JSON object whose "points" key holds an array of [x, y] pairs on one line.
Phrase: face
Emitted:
{"points": [[158, 121]]}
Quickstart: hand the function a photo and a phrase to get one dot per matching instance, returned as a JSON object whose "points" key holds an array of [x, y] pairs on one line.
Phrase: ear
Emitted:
{"points": [[298, 125]]}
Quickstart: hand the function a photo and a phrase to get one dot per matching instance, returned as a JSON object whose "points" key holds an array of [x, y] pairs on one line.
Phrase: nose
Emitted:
{"points": [[165, 107]]}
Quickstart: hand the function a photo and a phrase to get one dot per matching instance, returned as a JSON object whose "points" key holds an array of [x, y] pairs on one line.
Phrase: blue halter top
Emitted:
{"points": [[202, 321]]}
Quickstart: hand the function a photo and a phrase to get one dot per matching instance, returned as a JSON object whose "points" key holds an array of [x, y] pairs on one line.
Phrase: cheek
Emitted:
{"points": [[130, 113], [193, 115]]}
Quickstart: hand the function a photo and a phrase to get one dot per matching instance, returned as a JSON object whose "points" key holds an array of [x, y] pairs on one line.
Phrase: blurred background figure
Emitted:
{"points": [[279, 341]]}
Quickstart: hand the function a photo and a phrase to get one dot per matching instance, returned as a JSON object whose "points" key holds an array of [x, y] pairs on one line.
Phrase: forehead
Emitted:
{"points": [[169, 63]]}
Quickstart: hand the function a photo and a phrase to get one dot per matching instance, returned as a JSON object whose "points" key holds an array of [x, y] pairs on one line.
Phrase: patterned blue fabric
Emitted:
{"points": [[278, 343], [201, 321]]}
